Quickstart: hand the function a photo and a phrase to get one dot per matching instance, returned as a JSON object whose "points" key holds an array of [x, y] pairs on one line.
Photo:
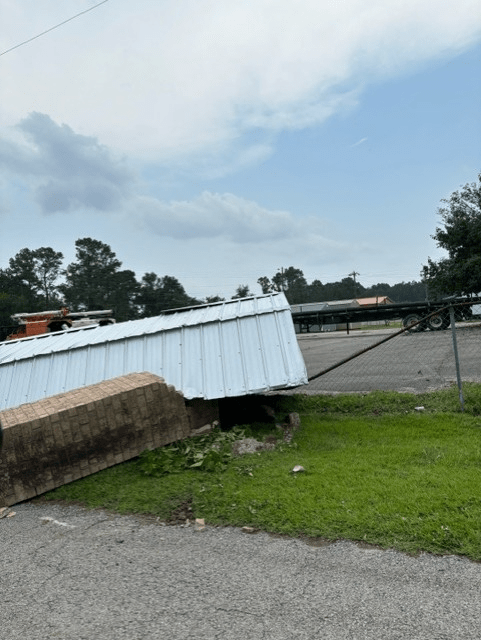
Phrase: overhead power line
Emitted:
{"points": [[39, 35]]}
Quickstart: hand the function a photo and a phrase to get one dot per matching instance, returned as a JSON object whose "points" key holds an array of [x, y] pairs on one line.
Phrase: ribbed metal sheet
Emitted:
{"points": [[309, 307], [232, 348]]}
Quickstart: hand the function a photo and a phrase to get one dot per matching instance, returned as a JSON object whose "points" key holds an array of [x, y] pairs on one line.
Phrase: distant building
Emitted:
{"points": [[375, 300]]}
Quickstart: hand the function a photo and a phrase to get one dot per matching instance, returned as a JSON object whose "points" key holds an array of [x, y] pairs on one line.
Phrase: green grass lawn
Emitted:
{"points": [[376, 470]]}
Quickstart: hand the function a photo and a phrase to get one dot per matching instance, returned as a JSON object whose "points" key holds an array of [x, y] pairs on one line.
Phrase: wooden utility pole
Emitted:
{"points": [[354, 274], [282, 278]]}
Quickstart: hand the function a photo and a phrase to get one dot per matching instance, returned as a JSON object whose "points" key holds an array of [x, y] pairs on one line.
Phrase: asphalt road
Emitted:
{"points": [[88, 575], [408, 362]]}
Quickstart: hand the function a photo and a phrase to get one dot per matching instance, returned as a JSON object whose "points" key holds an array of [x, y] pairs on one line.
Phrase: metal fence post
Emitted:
{"points": [[456, 356]]}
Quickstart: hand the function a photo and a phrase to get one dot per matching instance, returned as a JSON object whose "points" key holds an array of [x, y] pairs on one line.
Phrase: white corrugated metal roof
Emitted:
{"points": [[309, 307], [342, 303], [232, 348]]}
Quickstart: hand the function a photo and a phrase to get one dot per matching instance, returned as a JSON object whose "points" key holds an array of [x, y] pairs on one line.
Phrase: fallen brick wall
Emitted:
{"points": [[60, 439]]}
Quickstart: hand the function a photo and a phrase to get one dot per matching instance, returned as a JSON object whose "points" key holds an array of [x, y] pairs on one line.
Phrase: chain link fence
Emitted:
{"points": [[427, 353]]}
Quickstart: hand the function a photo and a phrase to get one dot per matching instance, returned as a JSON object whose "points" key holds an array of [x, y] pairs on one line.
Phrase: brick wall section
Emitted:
{"points": [[60, 439]]}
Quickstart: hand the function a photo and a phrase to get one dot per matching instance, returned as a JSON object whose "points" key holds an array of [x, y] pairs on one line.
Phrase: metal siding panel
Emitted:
{"points": [[295, 365], [57, 374], [173, 358], [133, 355], [76, 369], [193, 375], [94, 364], [18, 389], [254, 354], [152, 351], [214, 361], [7, 373], [274, 356], [235, 371], [39, 378], [114, 360], [242, 362]]}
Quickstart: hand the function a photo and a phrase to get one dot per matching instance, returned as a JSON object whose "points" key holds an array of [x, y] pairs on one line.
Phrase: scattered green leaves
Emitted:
{"points": [[210, 452]]}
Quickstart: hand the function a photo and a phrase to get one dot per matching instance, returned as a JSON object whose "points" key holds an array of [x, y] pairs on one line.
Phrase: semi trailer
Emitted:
{"points": [[415, 316]]}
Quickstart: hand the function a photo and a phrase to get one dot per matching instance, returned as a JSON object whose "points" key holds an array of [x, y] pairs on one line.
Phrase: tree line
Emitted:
{"points": [[36, 280], [298, 290]]}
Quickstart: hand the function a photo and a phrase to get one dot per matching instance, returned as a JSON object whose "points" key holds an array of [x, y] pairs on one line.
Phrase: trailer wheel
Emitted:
{"points": [[412, 319], [438, 322]]}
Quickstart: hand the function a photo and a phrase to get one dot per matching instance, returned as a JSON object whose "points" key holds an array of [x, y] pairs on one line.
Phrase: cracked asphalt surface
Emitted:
{"points": [[71, 573]]}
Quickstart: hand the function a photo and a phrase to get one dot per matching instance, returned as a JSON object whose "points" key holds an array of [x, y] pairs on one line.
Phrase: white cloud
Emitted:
{"points": [[68, 170], [213, 215], [361, 141], [174, 79]]}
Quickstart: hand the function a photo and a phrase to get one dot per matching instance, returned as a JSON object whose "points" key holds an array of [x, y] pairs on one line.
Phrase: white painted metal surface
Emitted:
{"points": [[232, 348]]}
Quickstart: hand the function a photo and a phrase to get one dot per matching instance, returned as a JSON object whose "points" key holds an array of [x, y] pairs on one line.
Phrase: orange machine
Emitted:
{"points": [[34, 324]]}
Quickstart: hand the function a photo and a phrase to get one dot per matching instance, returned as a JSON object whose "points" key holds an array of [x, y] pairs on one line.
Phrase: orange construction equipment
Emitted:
{"points": [[34, 324]]}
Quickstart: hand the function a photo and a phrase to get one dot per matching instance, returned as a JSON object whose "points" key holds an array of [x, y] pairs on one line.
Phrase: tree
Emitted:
{"points": [[15, 297], [148, 297], [48, 263], [460, 235], [242, 291], [291, 281], [38, 270], [315, 292], [91, 281], [122, 299], [158, 294], [211, 299], [265, 284]]}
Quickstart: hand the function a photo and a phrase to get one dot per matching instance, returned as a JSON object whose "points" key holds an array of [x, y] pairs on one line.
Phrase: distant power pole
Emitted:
{"points": [[354, 274], [282, 278]]}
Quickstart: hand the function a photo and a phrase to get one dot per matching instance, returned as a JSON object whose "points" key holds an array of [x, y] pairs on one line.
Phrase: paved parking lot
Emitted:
{"points": [[408, 362]]}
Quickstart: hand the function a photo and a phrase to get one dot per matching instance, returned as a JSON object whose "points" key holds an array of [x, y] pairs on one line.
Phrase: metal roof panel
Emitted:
{"points": [[234, 348]]}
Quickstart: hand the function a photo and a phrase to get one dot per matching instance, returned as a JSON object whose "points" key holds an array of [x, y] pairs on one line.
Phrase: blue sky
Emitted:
{"points": [[218, 142]]}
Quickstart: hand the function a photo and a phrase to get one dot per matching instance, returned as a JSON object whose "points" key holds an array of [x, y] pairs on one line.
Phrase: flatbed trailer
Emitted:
{"points": [[411, 314]]}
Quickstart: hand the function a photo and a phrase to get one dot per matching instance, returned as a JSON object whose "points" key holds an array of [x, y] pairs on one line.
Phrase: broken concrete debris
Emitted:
{"points": [[199, 524], [250, 445]]}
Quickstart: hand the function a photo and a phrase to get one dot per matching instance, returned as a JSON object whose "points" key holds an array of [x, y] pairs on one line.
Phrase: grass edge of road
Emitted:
{"points": [[377, 469]]}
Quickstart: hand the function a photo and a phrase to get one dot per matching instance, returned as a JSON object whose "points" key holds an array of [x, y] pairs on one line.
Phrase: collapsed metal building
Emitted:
{"points": [[220, 350]]}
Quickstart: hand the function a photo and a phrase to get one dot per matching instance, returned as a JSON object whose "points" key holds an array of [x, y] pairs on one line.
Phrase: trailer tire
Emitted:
{"points": [[412, 319], [437, 322]]}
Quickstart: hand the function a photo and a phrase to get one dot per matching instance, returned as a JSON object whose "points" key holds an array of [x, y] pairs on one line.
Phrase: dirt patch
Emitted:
{"points": [[181, 514]]}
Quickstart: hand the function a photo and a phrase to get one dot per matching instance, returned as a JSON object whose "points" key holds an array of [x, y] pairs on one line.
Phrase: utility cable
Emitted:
{"points": [[52, 28]]}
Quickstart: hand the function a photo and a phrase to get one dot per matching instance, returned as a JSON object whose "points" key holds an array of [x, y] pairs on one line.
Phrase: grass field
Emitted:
{"points": [[376, 470]]}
